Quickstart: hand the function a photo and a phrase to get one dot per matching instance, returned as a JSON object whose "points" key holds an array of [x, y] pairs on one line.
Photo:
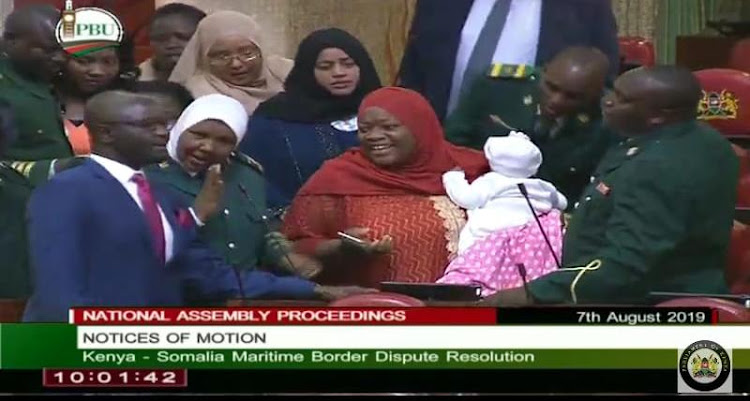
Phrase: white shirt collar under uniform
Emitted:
{"points": [[517, 45]]}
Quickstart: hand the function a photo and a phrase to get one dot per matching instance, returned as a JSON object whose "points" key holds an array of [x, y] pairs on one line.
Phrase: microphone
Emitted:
{"points": [[264, 218], [522, 272], [522, 188]]}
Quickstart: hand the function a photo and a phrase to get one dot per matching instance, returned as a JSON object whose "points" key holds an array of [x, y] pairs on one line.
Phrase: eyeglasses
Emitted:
{"points": [[226, 59], [153, 126]]}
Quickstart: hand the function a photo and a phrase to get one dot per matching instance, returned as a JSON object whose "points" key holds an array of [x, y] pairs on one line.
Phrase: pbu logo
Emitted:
{"points": [[83, 30], [88, 29]]}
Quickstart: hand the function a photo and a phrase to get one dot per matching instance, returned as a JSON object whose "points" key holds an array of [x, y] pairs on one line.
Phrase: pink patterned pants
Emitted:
{"points": [[492, 261]]}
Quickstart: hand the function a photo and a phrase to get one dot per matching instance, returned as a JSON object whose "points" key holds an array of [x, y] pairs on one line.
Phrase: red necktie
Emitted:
{"points": [[153, 217]]}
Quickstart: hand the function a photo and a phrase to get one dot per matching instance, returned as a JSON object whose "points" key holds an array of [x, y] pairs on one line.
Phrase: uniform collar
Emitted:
{"points": [[634, 146], [580, 118], [662, 132], [7, 71]]}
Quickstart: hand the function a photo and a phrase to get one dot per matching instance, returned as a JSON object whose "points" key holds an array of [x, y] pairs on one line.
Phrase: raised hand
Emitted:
{"points": [[208, 201]]}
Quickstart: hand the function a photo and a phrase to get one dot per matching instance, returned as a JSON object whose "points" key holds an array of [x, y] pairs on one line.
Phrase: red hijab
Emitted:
{"points": [[353, 174]]}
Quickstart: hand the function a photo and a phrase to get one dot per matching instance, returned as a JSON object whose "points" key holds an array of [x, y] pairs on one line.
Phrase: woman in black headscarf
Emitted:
{"points": [[314, 119]]}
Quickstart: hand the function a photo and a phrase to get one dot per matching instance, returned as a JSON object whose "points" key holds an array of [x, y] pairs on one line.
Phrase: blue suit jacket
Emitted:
{"points": [[91, 246], [430, 55]]}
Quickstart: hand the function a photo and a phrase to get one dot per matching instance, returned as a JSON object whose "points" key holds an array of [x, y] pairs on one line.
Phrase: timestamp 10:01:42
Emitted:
{"points": [[153, 378]]}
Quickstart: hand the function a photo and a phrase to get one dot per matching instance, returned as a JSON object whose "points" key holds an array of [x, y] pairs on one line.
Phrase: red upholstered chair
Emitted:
{"points": [[729, 311], [726, 102], [385, 299], [740, 57], [743, 187], [637, 50], [738, 270]]}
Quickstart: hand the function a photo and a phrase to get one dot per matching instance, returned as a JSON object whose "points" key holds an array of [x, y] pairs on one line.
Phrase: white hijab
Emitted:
{"points": [[210, 107]]}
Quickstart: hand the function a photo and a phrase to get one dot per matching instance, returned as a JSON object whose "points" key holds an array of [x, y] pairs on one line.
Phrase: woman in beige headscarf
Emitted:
{"points": [[226, 55]]}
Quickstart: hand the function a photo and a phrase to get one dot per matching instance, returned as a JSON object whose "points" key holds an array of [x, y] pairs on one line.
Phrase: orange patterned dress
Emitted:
{"points": [[424, 229]]}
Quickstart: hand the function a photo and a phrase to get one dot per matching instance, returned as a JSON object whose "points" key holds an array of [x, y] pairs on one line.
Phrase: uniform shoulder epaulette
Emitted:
{"points": [[245, 159], [8, 171], [515, 71], [23, 168]]}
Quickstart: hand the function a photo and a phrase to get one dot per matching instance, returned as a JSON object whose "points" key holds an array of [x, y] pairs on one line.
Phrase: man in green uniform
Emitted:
{"points": [[14, 194], [558, 108], [658, 213], [31, 61]]}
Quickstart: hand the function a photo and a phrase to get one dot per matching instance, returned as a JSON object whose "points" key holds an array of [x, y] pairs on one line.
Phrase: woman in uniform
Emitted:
{"points": [[202, 153]]}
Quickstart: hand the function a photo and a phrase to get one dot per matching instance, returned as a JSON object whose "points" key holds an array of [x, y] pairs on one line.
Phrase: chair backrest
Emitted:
{"points": [[738, 261], [743, 186], [729, 311], [637, 50], [378, 299], [726, 101], [738, 268], [740, 56]]}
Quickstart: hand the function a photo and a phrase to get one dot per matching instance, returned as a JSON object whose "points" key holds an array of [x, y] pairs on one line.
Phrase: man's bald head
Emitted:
{"points": [[127, 127], [669, 88], [113, 106], [649, 97], [573, 81], [29, 39], [582, 60]]}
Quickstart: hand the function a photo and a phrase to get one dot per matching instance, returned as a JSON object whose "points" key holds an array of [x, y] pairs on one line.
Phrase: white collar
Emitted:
{"points": [[121, 172]]}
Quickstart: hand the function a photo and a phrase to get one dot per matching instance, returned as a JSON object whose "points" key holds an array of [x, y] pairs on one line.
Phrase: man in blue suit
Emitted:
{"points": [[101, 235], [453, 42]]}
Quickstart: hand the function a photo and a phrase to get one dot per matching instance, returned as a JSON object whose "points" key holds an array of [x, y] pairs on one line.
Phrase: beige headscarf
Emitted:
{"points": [[192, 69]]}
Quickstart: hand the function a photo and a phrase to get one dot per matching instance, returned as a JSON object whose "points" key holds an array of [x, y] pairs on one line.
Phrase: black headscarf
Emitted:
{"points": [[303, 99]]}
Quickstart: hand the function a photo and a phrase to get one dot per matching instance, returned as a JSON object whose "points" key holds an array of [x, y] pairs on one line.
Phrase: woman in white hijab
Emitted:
{"points": [[227, 55], [202, 153]]}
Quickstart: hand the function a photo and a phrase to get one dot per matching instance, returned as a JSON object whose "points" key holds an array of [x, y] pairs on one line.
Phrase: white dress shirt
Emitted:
{"points": [[124, 175], [517, 45]]}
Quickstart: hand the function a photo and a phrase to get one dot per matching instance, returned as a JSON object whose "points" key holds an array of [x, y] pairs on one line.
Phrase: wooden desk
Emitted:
{"points": [[701, 52]]}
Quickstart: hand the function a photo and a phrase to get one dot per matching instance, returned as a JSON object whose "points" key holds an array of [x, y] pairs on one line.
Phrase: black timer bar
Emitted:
{"points": [[422, 381], [601, 315]]}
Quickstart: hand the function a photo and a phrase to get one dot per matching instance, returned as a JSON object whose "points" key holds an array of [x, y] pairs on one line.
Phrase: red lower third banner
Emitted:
{"points": [[282, 316]]}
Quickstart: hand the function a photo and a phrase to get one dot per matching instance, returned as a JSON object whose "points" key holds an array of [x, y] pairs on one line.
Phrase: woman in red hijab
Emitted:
{"points": [[389, 193]]}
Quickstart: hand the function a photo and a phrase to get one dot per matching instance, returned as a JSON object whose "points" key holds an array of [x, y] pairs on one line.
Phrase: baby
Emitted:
{"points": [[501, 232]]}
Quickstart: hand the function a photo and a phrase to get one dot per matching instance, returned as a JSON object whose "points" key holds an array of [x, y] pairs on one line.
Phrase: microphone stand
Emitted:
{"points": [[264, 218], [522, 272], [525, 194]]}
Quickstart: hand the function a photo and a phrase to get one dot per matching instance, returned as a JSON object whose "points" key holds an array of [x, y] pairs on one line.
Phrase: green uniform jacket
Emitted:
{"points": [[507, 99], [41, 136], [239, 231], [657, 216], [14, 194]]}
